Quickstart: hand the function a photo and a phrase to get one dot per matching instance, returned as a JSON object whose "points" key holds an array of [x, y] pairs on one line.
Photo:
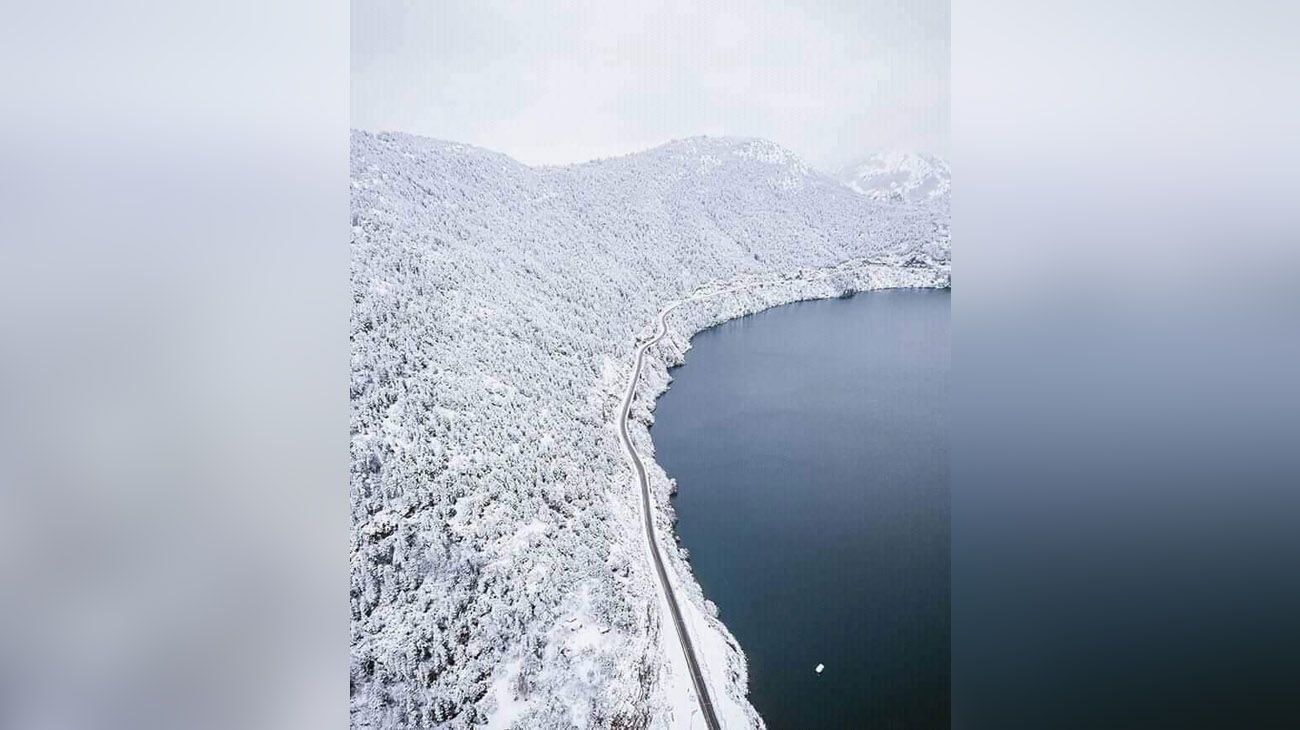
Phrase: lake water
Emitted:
{"points": [[810, 447]]}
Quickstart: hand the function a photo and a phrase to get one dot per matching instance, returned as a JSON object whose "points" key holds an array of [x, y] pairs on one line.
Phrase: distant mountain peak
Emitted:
{"points": [[900, 176], [752, 158], [756, 148]]}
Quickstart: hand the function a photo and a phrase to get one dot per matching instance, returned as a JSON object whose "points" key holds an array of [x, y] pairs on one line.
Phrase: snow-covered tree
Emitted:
{"points": [[495, 308]]}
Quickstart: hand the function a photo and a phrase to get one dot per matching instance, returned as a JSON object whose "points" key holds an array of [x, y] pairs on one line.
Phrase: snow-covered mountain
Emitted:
{"points": [[499, 572], [899, 176]]}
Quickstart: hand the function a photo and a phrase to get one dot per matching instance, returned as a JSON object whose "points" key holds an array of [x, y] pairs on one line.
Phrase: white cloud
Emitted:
{"points": [[552, 84]]}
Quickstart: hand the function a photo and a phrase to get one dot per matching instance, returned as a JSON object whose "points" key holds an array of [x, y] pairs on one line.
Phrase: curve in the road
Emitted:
{"points": [[688, 649], [697, 677]]}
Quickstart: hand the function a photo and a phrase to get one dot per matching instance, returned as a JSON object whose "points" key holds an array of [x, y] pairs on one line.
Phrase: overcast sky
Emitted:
{"points": [[553, 82]]}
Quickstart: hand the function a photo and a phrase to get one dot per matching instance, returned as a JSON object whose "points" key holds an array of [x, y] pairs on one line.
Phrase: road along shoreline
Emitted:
{"points": [[856, 275], [702, 696]]}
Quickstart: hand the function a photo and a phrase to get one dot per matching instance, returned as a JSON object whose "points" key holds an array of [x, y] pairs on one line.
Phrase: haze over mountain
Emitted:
{"points": [[899, 176]]}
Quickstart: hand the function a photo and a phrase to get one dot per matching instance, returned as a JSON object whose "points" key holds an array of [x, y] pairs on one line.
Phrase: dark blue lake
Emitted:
{"points": [[810, 447]]}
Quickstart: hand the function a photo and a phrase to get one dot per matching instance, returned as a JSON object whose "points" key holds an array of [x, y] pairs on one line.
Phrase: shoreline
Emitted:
{"points": [[723, 662]]}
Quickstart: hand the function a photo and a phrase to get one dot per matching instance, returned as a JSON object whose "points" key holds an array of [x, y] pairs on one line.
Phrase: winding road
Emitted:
{"points": [[661, 329], [697, 677]]}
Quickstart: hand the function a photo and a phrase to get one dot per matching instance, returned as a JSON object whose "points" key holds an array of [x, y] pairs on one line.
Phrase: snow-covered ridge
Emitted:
{"points": [[498, 573], [899, 177]]}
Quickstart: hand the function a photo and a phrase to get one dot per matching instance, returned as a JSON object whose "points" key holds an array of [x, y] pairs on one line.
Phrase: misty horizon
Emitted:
{"points": [[833, 83]]}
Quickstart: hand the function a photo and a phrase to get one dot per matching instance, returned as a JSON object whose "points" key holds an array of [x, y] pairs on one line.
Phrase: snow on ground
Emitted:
{"points": [[499, 571], [509, 706]]}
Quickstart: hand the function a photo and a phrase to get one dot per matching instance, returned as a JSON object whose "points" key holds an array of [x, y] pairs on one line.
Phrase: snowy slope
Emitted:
{"points": [[499, 574], [899, 176]]}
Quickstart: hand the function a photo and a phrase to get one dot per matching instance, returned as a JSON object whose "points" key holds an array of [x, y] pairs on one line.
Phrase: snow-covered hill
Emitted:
{"points": [[899, 176], [499, 574]]}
